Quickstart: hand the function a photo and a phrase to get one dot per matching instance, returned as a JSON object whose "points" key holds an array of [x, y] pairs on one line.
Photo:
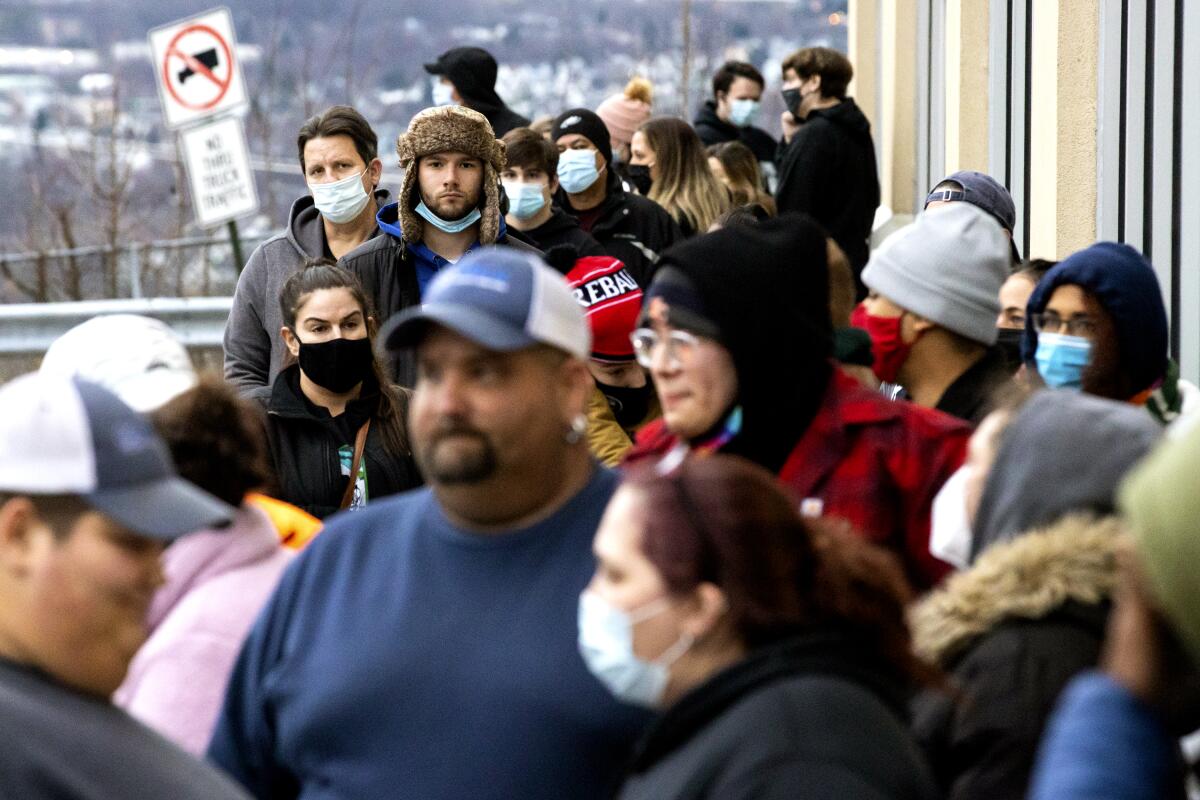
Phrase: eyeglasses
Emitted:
{"points": [[1049, 322], [680, 345]]}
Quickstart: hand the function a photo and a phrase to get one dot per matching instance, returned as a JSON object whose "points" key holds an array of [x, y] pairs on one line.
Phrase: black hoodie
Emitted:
{"points": [[828, 170], [305, 440], [766, 288], [472, 70], [560, 229], [714, 130]]}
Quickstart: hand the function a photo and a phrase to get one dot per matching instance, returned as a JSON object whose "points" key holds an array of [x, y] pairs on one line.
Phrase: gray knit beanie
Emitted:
{"points": [[947, 267]]}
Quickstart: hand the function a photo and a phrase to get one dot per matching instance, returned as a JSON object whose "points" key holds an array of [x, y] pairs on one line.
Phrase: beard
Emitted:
{"points": [[456, 456], [452, 209]]}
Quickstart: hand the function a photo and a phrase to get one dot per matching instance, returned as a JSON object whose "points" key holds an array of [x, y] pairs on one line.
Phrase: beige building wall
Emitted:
{"points": [[1064, 105]]}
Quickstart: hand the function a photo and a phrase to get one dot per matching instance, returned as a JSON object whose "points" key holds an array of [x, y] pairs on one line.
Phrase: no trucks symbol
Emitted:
{"points": [[200, 70], [195, 61]]}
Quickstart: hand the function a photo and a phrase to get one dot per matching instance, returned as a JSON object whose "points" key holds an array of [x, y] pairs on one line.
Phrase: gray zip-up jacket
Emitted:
{"points": [[254, 350]]}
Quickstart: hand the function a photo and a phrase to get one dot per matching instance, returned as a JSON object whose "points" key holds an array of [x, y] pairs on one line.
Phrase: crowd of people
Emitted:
{"points": [[607, 459]]}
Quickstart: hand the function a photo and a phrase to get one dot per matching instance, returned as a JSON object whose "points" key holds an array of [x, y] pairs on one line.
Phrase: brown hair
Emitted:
{"points": [[834, 68], [726, 521], [842, 291], [323, 273], [527, 148], [216, 439], [724, 76], [745, 177], [340, 121], [685, 186]]}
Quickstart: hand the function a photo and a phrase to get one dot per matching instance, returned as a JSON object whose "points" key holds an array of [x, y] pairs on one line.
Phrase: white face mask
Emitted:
{"points": [[950, 529], [606, 644], [442, 94], [340, 201]]}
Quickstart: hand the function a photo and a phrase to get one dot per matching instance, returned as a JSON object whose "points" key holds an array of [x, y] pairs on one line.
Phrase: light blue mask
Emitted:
{"points": [[1061, 359], [525, 200], [447, 226], [577, 170], [606, 644], [743, 112], [442, 93]]}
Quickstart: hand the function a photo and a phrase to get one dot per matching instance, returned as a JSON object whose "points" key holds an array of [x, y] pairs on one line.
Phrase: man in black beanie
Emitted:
{"points": [[737, 335], [630, 228]]}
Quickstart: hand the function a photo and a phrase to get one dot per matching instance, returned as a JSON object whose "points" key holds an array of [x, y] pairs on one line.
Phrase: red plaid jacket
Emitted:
{"points": [[868, 460]]}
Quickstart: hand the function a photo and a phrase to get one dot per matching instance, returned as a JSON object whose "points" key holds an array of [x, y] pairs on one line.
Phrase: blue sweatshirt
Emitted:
{"points": [[427, 262], [402, 657], [1103, 744]]}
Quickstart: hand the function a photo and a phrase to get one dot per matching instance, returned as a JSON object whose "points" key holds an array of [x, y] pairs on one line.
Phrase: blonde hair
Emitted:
{"points": [[685, 186]]}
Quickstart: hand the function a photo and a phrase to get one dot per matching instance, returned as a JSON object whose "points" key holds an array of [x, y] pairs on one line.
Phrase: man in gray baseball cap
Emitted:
{"points": [[931, 312], [465, 593], [88, 500]]}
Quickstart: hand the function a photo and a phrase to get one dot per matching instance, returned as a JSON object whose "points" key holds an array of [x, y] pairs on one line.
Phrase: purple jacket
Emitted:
{"points": [[217, 582]]}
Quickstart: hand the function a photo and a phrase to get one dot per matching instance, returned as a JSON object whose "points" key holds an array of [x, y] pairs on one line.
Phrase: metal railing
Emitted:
{"points": [[190, 267], [29, 328]]}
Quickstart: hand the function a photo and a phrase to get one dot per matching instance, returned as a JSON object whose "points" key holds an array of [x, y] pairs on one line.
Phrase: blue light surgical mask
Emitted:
{"points": [[1061, 359], [447, 226], [340, 201], [743, 112], [606, 644], [577, 170], [525, 200]]}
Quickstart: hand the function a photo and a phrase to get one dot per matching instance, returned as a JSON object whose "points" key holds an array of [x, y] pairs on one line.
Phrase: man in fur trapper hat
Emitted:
{"points": [[449, 204]]}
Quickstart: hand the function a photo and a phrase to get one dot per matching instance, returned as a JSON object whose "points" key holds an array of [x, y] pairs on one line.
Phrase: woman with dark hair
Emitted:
{"points": [[669, 166], [216, 581], [776, 647], [337, 426]]}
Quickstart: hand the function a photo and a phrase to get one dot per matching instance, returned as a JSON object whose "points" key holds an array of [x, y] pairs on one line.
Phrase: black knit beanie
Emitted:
{"points": [[585, 123]]}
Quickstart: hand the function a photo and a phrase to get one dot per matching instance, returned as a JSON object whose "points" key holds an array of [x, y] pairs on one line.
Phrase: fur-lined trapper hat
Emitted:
{"points": [[455, 129]]}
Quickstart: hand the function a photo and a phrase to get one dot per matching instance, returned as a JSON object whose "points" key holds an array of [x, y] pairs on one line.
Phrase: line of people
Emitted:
{"points": [[905, 524]]}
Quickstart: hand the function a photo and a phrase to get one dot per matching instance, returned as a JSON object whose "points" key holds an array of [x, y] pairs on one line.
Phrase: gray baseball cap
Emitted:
{"points": [[982, 191], [63, 435]]}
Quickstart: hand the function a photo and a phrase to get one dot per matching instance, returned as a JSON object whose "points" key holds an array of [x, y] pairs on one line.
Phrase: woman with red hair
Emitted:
{"points": [[777, 648]]}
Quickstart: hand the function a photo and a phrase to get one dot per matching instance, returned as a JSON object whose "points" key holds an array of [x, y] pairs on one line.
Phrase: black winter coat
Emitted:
{"points": [[304, 443], [812, 718], [1010, 632], [630, 228], [714, 130], [389, 277], [561, 229], [828, 172]]}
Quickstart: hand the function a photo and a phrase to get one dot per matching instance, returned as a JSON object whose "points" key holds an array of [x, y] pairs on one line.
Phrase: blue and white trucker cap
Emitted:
{"points": [[61, 435], [499, 298]]}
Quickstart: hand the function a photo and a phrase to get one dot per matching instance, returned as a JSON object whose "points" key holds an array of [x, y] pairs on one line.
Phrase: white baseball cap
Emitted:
{"points": [[140, 359]]}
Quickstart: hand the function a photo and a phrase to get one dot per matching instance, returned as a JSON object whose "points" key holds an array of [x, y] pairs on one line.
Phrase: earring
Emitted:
{"points": [[578, 429]]}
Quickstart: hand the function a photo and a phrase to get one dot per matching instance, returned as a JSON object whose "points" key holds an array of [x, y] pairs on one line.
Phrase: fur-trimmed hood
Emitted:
{"points": [[450, 129], [1028, 578]]}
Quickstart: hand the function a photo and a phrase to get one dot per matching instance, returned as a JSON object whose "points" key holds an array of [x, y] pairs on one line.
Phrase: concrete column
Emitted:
{"points": [[966, 52], [898, 106]]}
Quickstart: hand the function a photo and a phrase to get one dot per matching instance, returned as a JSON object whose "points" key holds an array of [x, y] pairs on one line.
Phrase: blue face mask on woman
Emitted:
{"points": [[1061, 359]]}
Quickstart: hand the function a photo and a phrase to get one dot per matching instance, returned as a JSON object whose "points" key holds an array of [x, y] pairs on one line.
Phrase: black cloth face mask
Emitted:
{"points": [[628, 405], [639, 176], [792, 99], [338, 364], [1009, 342]]}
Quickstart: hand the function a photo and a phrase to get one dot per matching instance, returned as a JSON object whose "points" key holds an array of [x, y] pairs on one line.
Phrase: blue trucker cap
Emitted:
{"points": [[500, 298], [62, 435]]}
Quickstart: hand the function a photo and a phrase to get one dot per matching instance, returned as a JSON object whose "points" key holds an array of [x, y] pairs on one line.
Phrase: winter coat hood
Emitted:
{"points": [[1039, 572], [1126, 287], [846, 115], [1063, 452]]}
